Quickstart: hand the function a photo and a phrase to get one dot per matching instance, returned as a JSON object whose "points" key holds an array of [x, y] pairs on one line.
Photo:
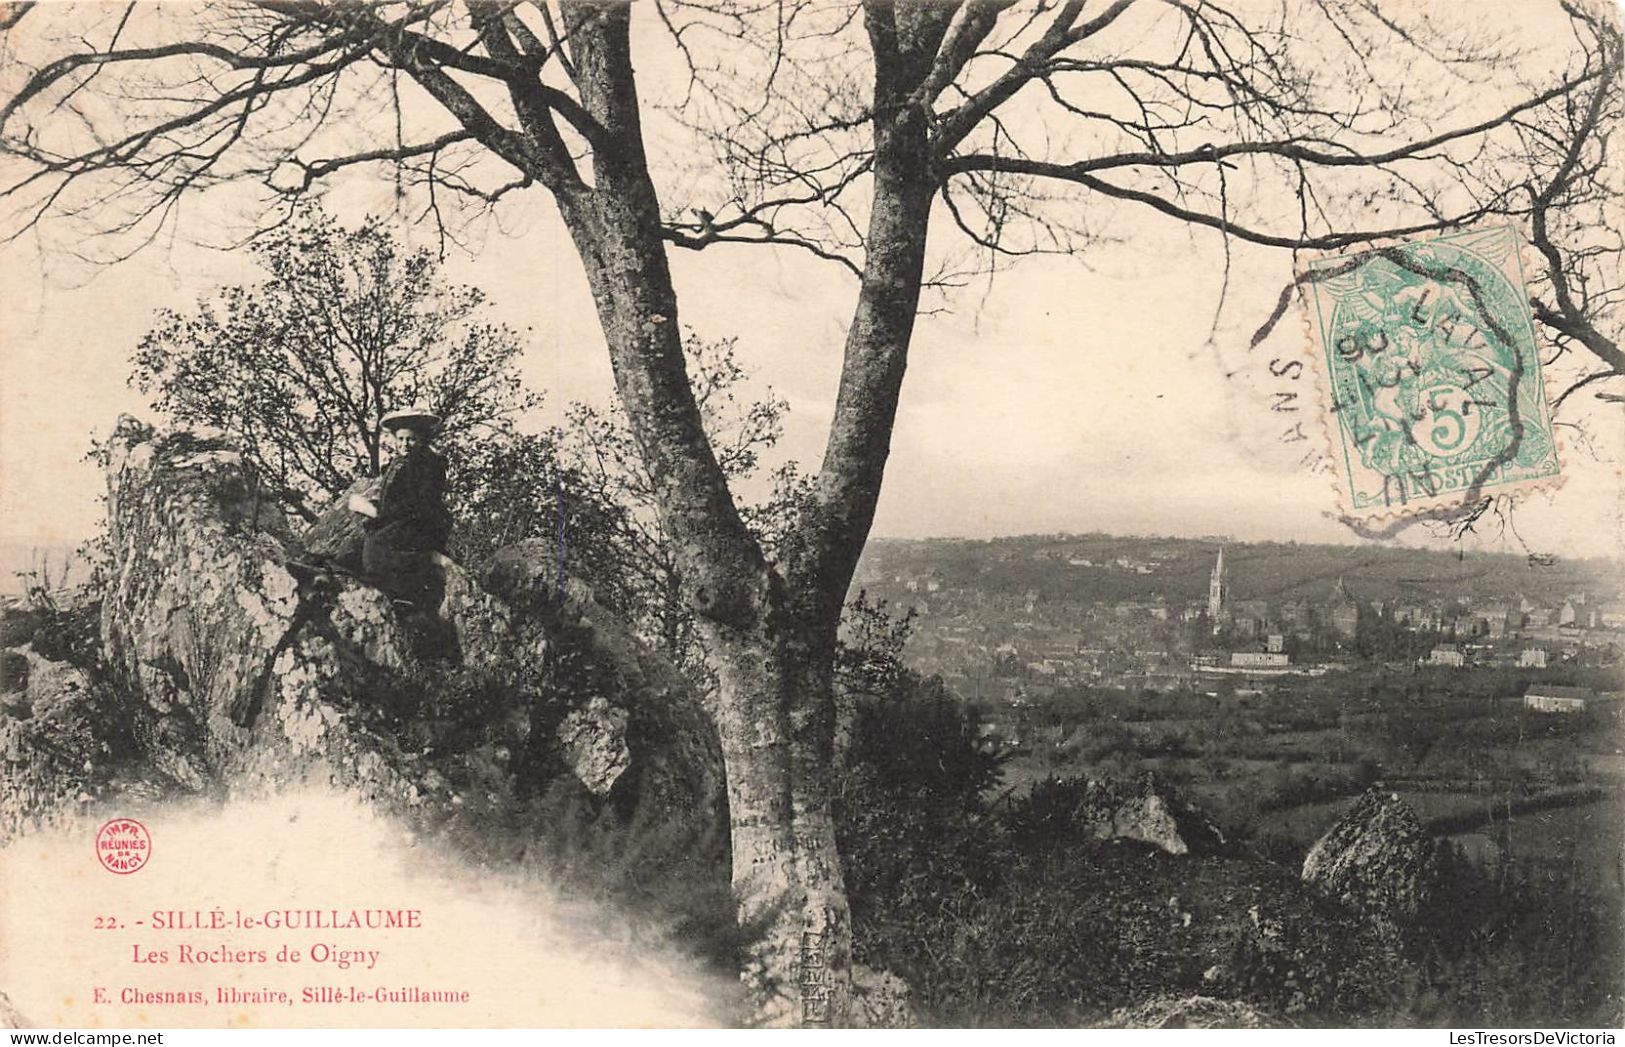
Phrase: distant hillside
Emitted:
{"points": [[1098, 567]]}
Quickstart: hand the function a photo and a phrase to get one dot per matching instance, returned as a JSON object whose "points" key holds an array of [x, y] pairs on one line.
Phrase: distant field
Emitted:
{"points": [[1457, 762], [1306, 823], [1589, 839]]}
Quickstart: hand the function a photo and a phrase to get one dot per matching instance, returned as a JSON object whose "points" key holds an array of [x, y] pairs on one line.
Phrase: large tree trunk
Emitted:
{"points": [[772, 660], [771, 653], [773, 711], [770, 636]]}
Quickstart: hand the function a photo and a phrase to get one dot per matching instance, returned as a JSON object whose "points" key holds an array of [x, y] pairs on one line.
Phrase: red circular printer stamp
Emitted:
{"points": [[123, 846]]}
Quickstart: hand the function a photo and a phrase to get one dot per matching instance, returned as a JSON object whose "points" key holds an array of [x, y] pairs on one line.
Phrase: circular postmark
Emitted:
{"points": [[1432, 399], [123, 846]]}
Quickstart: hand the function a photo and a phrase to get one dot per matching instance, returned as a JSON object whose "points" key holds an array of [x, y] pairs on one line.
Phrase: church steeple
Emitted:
{"points": [[1217, 589]]}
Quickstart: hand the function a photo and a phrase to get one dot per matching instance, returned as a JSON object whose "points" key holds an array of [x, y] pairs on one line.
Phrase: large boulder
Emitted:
{"points": [[1377, 860], [1143, 809], [252, 671], [199, 601], [594, 740], [1147, 812]]}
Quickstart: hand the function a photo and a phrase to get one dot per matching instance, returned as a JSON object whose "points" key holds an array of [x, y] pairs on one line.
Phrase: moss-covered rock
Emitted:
{"points": [[1377, 859]]}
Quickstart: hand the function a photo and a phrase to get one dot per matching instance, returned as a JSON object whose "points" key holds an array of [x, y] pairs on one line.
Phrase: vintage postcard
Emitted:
{"points": [[819, 513]]}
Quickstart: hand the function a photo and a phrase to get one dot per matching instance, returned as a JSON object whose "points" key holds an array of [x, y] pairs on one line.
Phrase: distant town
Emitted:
{"points": [[1011, 620], [1272, 683]]}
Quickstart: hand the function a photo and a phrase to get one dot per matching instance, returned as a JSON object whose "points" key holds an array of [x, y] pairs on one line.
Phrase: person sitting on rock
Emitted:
{"points": [[408, 524]]}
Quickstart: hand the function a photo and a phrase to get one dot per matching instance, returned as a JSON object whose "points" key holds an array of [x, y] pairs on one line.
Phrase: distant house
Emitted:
{"points": [[1551, 699], [1532, 658], [1259, 660], [1447, 654], [1423, 618], [1275, 644], [1611, 616]]}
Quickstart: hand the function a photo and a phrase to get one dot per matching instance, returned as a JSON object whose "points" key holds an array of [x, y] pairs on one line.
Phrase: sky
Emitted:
{"points": [[1103, 391]]}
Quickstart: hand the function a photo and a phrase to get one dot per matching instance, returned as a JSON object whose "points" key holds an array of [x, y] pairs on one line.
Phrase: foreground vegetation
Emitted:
{"points": [[1000, 910]]}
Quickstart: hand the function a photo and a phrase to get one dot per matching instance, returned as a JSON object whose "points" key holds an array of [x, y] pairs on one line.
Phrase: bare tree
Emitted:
{"points": [[1574, 188], [838, 129]]}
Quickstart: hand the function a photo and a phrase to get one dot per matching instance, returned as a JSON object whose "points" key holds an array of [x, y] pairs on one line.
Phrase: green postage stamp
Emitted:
{"points": [[1429, 358]]}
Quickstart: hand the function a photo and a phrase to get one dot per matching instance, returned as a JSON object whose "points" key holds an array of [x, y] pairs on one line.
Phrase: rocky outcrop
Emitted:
{"points": [[64, 744], [250, 670], [1143, 810], [1149, 814], [199, 602], [594, 741], [51, 740], [64, 735], [1377, 860], [683, 764]]}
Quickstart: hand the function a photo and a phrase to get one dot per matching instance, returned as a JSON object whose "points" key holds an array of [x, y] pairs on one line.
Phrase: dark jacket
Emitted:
{"points": [[411, 502]]}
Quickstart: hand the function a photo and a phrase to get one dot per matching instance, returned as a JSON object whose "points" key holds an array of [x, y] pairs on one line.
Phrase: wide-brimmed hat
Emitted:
{"points": [[415, 417]]}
